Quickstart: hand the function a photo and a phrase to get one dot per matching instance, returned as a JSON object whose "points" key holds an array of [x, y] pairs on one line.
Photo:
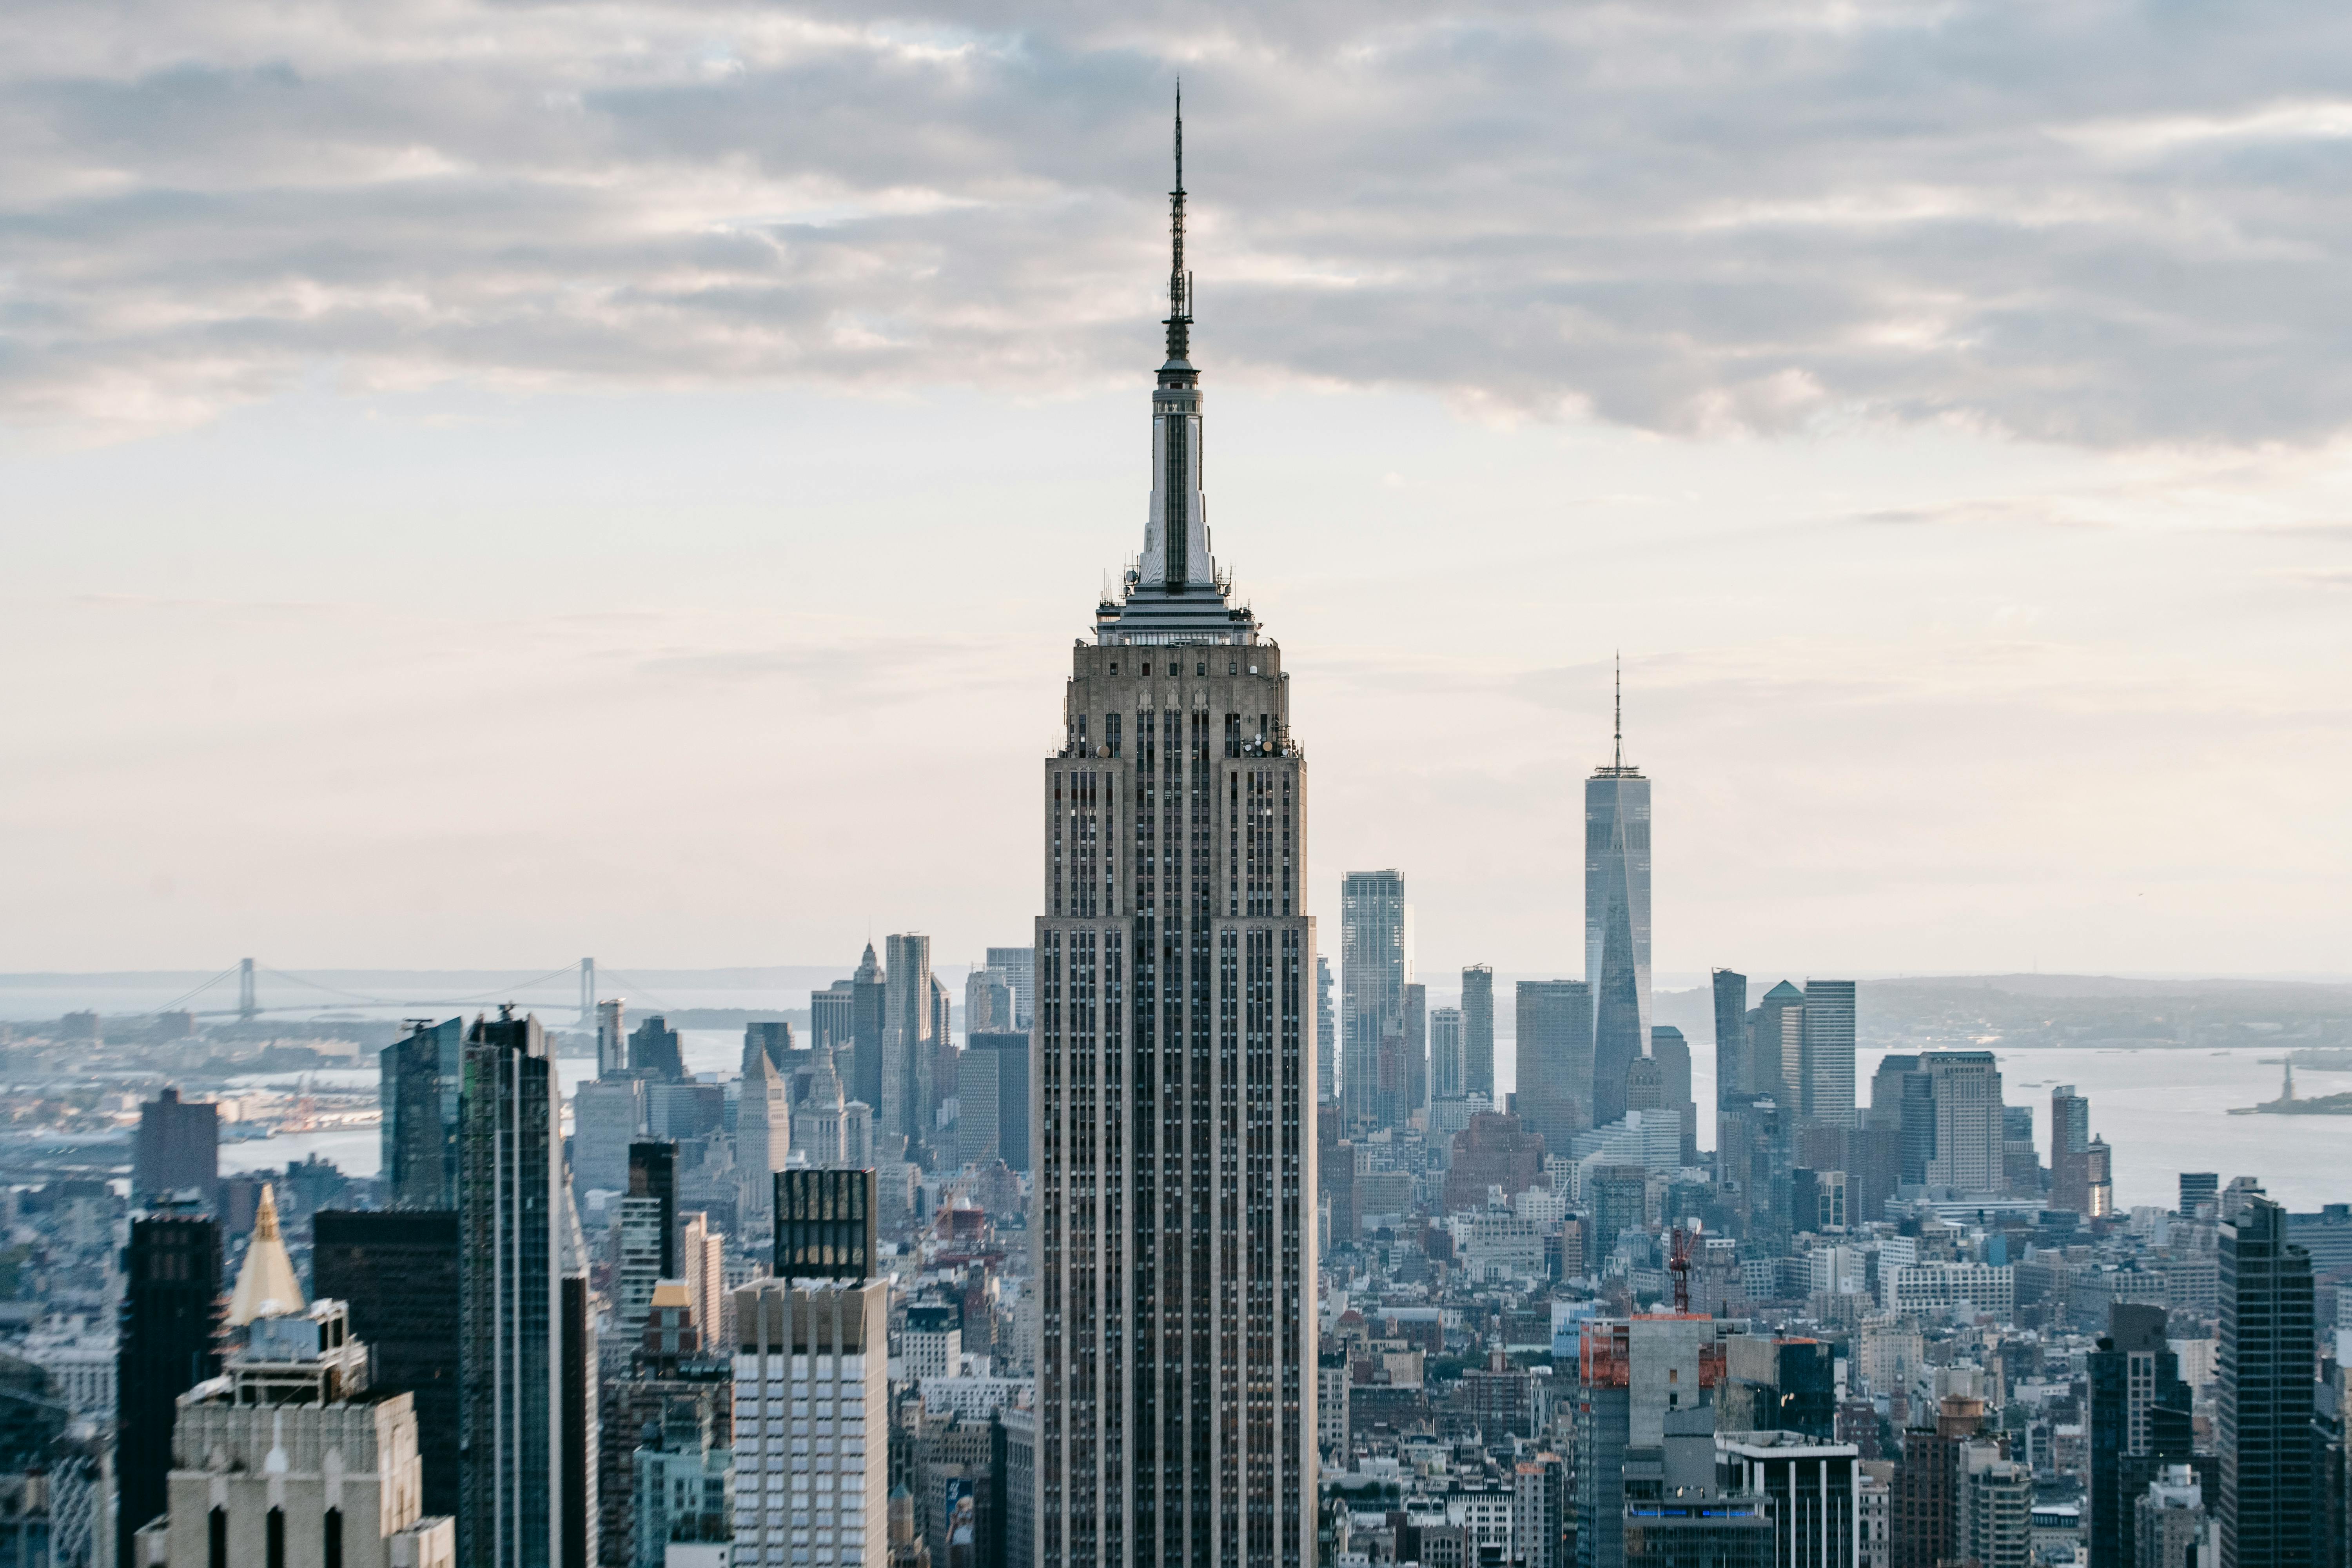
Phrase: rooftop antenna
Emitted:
{"points": [[1620, 711], [1180, 283]]}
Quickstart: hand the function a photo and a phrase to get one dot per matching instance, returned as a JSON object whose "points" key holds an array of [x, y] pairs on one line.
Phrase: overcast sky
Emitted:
{"points": [[485, 483]]}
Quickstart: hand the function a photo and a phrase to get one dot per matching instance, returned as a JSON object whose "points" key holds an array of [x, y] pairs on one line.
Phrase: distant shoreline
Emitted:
{"points": [[2324, 1105]]}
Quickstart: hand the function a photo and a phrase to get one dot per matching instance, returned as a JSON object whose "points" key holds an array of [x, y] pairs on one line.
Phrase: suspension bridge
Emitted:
{"points": [[317, 996]]}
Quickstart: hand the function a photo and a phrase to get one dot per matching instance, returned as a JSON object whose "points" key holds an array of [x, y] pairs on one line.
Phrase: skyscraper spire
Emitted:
{"points": [[1621, 712], [1179, 286]]}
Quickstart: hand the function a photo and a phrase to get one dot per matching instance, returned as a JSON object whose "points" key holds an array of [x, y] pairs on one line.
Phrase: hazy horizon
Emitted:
{"points": [[489, 480]]}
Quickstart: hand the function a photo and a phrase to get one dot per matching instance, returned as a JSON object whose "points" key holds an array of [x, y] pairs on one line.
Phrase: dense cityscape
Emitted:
{"points": [[1181, 1233]]}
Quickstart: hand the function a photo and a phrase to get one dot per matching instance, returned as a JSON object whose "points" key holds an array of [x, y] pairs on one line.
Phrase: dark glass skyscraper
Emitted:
{"points": [[1478, 1033], [1674, 1058], [2269, 1513], [825, 1226], [178, 1147], [513, 1512], [653, 1048], [869, 991], [398, 1272], [1616, 924], [1554, 1059], [420, 1073], [1731, 1070], [1175, 1173], [169, 1341], [2139, 1424], [1903, 1101]]}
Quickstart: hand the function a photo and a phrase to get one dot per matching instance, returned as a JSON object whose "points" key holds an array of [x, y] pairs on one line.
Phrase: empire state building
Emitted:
{"points": [[1174, 1067]]}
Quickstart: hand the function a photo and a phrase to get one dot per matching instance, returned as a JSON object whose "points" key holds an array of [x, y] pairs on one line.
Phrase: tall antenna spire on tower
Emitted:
{"points": [[1179, 286], [1621, 711]]}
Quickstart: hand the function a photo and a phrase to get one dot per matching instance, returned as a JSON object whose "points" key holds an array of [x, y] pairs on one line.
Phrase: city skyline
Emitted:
{"points": [[731, 486]]}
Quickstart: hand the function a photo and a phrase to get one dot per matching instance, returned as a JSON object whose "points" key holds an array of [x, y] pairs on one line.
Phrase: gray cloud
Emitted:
{"points": [[2102, 223]]}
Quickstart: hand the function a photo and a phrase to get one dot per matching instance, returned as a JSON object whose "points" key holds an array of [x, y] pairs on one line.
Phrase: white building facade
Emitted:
{"points": [[812, 1425]]}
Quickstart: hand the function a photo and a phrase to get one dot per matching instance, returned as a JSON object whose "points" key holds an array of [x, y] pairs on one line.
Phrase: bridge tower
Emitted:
{"points": [[246, 1008]]}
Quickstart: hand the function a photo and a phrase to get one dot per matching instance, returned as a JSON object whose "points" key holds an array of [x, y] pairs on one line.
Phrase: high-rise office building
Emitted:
{"points": [[2021, 1164], [2140, 1425], [648, 1238], [2069, 1151], [1374, 966], [398, 1274], [1554, 1059], [833, 1017], [608, 1114], [1903, 1102], [1733, 1075], [1811, 1483], [869, 990], [904, 1122], [774, 1038], [1478, 1033], [611, 1036], [419, 1076], [992, 1086], [763, 1138], [1966, 1087], [1616, 923], [987, 1003], [169, 1341], [2099, 1180], [512, 1343], [1326, 1036], [1019, 967], [653, 1050], [1175, 1184], [702, 1264], [1776, 1045], [1734, 1083], [177, 1147], [813, 1351], [1416, 1053], [1674, 1058], [940, 1063], [2270, 1488], [2197, 1189], [579, 1404], [1826, 1054], [1447, 1074]]}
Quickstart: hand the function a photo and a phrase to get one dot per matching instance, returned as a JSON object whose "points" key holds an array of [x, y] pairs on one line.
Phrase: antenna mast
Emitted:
{"points": [[1621, 713], [1179, 286]]}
